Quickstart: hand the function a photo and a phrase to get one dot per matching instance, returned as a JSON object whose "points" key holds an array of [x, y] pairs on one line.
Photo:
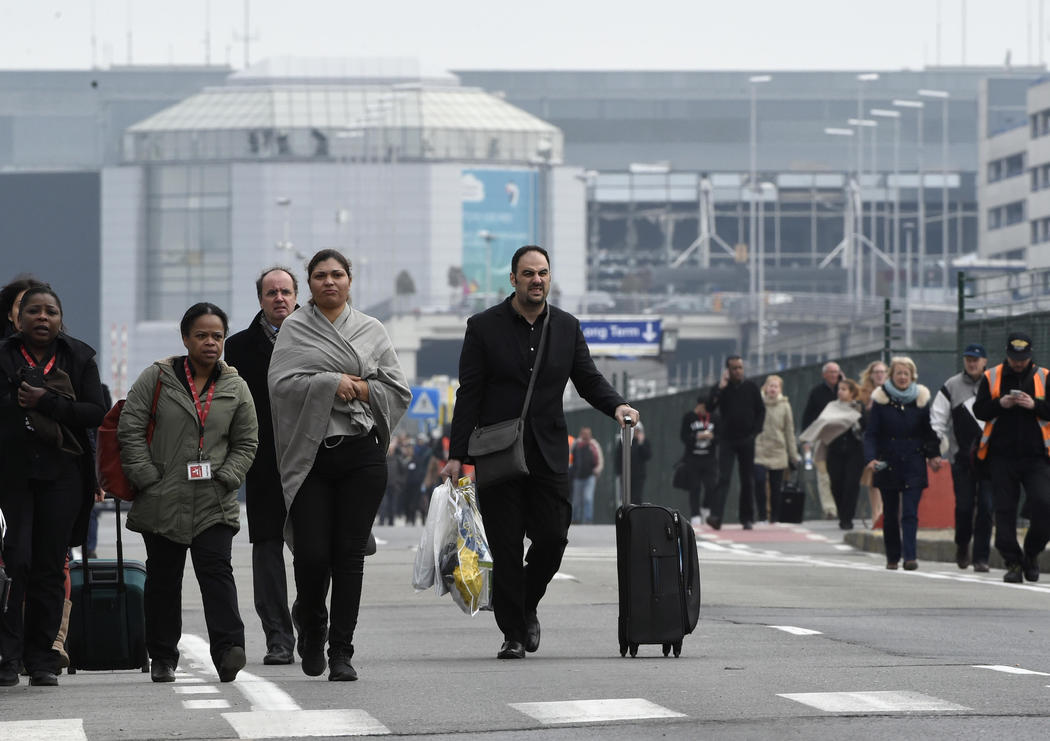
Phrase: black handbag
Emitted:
{"points": [[498, 450]]}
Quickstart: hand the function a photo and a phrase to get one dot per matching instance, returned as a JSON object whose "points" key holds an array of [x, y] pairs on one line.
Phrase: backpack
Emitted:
{"points": [[111, 476]]}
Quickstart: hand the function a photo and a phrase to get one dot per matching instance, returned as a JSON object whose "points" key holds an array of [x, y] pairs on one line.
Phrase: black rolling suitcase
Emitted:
{"points": [[658, 571], [107, 624], [792, 500]]}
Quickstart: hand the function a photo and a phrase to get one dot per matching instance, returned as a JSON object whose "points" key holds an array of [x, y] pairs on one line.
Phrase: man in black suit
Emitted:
{"points": [[499, 349], [249, 352]]}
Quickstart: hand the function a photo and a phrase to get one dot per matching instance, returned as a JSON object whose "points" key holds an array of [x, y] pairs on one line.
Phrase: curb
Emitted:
{"points": [[931, 545]]}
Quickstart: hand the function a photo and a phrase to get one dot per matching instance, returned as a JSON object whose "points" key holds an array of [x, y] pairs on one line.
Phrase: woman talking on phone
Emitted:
{"points": [[897, 443], [204, 442], [50, 395]]}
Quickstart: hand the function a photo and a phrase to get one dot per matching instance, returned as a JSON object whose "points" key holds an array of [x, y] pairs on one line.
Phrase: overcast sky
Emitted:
{"points": [[534, 34]]}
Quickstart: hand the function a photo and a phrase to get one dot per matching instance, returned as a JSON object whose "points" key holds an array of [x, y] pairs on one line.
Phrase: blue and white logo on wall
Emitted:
{"points": [[499, 216]]}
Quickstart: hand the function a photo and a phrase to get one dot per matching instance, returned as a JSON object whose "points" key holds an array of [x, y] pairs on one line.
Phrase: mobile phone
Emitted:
{"points": [[34, 376], [1016, 392]]}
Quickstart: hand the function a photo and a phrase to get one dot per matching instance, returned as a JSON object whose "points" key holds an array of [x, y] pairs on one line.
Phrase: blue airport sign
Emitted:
{"points": [[425, 403], [634, 337]]}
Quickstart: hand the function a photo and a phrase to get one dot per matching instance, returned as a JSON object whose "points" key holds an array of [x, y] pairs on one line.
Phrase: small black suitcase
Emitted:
{"points": [[107, 624], [658, 572], [792, 500]]}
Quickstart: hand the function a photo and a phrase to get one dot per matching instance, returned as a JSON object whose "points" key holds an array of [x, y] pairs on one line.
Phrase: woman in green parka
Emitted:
{"points": [[187, 479]]}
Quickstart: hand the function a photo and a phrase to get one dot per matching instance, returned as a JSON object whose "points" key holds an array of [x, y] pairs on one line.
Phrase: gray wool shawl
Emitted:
{"points": [[309, 358]]}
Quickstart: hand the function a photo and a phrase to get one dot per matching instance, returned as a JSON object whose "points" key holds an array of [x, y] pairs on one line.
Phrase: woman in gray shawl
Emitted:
{"points": [[337, 391]]}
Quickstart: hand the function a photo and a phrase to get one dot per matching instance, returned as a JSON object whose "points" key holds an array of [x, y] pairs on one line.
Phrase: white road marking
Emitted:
{"points": [[843, 547], [205, 704], [67, 729], [707, 545], [815, 536], [1009, 669], [559, 576], [304, 724], [199, 689], [873, 702], [594, 711], [262, 694], [796, 631]]}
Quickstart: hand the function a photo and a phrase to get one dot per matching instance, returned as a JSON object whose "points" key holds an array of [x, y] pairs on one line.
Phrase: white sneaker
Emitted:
{"points": [[695, 521]]}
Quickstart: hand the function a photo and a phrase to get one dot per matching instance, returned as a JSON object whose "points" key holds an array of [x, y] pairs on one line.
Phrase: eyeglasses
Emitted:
{"points": [[273, 293]]}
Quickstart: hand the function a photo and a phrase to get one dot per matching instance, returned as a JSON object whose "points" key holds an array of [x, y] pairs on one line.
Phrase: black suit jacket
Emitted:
{"points": [[249, 352], [494, 376]]}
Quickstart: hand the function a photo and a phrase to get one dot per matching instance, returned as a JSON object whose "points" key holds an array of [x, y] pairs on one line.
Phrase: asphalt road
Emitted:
{"points": [[800, 637]]}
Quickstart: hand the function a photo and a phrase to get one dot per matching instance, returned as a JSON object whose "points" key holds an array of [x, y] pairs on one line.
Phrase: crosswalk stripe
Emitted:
{"points": [[304, 723], [594, 711], [873, 702], [262, 694], [796, 631], [197, 689], [205, 704], [67, 729], [1009, 669]]}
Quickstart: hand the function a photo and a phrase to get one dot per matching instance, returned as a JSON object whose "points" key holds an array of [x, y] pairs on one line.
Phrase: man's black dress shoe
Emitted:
{"points": [[232, 661], [1031, 569], [161, 672], [340, 669], [714, 522], [511, 650], [43, 679], [278, 655], [532, 634], [9, 674]]}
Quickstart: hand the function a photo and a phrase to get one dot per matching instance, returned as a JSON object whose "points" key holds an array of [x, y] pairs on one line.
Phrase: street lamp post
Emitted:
{"points": [[861, 79], [943, 95], [896, 116], [761, 315], [861, 124], [918, 105], [848, 229], [752, 185]]}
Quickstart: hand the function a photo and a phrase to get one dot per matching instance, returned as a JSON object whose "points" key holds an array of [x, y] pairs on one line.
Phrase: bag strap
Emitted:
{"points": [[536, 365], [152, 424]]}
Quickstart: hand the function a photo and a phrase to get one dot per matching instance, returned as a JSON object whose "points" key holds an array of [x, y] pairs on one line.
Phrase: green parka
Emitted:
{"points": [[167, 503]]}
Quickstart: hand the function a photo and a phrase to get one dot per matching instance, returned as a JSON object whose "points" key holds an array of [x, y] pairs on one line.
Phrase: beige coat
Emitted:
{"points": [[776, 445]]}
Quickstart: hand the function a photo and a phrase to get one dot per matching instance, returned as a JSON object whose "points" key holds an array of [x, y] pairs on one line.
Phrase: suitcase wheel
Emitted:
{"points": [[677, 650], [667, 649], [634, 650], [71, 669], [145, 667]]}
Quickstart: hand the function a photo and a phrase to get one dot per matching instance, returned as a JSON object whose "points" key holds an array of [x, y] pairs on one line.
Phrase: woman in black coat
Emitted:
{"points": [[50, 396], [898, 442]]}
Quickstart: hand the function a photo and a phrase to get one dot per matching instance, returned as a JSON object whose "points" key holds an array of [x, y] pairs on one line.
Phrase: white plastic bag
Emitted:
{"points": [[424, 574], [464, 562]]}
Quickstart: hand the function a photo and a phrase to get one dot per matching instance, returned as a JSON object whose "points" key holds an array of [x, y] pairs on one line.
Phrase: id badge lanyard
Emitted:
{"points": [[202, 412], [32, 363]]}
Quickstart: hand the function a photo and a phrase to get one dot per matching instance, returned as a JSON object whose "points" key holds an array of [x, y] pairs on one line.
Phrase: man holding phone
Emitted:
{"points": [[1015, 442]]}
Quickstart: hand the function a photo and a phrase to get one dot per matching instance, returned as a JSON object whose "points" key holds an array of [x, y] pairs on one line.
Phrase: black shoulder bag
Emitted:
{"points": [[498, 450]]}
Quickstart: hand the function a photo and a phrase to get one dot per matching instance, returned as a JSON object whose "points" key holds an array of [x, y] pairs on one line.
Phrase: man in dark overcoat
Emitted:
{"points": [[249, 352], [499, 350]]}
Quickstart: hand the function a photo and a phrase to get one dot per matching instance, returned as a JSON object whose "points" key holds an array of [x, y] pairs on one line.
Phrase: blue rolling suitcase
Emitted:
{"points": [[658, 571], [107, 623]]}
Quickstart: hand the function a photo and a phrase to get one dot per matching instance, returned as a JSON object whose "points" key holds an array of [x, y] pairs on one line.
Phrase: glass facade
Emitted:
{"points": [[188, 246]]}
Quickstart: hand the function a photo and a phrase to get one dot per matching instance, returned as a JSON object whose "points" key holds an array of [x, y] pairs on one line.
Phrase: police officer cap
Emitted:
{"points": [[975, 350], [1019, 346]]}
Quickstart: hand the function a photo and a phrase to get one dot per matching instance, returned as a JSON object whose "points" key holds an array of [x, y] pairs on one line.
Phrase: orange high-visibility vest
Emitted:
{"points": [[995, 379]]}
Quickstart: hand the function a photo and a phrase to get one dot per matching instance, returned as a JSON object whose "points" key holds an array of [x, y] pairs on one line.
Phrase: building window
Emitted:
{"points": [[995, 217], [1013, 213], [1007, 167], [188, 245]]}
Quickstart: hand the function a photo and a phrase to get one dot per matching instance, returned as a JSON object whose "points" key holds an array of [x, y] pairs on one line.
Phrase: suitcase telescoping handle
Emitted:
{"points": [[88, 573], [626, 437]]}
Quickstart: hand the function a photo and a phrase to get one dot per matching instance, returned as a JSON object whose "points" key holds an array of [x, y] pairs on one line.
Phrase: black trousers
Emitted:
{"points": [[331, 516], [165, 565], [704, 476], [270, 587], [1008, 476], [536, 506], [775, 476], [743, 454], [973, 510], [40, 517], [845, 465]]}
